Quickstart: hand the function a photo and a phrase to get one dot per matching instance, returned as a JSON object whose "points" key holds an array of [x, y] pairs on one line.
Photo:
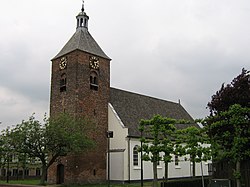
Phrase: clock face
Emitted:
{"points": [[94, 62], [63, 63]]}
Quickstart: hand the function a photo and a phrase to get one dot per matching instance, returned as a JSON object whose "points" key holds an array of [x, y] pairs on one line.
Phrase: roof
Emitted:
{"points": [[132, 107], [82, 40]]}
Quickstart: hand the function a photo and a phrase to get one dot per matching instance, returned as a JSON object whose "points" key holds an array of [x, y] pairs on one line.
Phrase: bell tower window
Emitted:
{"points": [[93, 81], [81, 24], [63, 82]]}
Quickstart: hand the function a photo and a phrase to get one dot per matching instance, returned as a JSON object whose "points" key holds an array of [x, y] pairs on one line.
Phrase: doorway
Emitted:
{"points": [[60, 174]]}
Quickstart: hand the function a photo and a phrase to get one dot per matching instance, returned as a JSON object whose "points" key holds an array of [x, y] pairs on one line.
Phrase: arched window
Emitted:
{"points": [[85, 22], [93, 81], [135, 156], [63, 82], [81, 22]]}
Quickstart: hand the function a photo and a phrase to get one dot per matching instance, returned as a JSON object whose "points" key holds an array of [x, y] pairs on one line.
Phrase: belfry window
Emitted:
{"points": [[81, 22], [135, 156], [63, 82], [93, 81]]}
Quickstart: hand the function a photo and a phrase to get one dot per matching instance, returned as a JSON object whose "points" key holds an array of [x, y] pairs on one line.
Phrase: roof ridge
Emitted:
{"points": [[148, 96]]}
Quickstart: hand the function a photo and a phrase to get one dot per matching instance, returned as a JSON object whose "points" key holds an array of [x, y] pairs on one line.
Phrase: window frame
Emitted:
{"points": [[63, 83], [136, 156]]}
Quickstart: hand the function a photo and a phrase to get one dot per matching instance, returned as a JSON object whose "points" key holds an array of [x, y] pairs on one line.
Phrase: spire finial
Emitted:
{"points": [[82, 5]]}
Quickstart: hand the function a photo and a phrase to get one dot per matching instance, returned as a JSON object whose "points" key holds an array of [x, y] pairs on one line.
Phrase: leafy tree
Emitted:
{"points": [[158, 136], [7, 149], [168, 130], [152, 147], [237, 92], [50, 139], [233, 143], [194, 142], [1, 150], [222, 134]]}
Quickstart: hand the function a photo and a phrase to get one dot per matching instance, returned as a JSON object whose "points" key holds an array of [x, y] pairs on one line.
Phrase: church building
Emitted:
{"points": [[80, 85]]}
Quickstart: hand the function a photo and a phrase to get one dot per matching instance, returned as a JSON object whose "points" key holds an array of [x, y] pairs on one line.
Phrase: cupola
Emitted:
{"points": [[82, 19]]}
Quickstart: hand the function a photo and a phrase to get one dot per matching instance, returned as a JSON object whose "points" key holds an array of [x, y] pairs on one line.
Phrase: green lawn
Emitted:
{"points": [[36, 182], [29, 182]]}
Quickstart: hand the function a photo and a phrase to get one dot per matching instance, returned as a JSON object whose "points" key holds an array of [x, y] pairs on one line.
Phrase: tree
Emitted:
{"points": [[237, 92], [168, 131], [233, 143], [221, 131], [194, 142], [1, 151], [152, 147], [47, 141], [158, 136], [7, 150]]}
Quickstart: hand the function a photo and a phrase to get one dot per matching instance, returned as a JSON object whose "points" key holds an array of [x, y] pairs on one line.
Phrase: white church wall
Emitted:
{"points": [[182, 169], [147, 166], [116, 166], [122, 167], [118, 146]]}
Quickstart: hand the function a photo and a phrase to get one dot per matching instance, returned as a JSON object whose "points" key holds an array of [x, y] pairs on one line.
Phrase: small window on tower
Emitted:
{"points": [[85, 22], [93, 81], [63, 82], [81, 22]]}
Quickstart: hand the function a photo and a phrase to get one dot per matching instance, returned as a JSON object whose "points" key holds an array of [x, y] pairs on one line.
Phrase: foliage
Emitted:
{"points": [[233, 142], [237, 92], [231, 132], [228, 122], [50, 139], [7, 149], [158, 135], [194, 141]]}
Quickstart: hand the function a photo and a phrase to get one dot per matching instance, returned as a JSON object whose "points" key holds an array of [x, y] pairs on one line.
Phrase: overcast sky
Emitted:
{"points": [[169, 49]]}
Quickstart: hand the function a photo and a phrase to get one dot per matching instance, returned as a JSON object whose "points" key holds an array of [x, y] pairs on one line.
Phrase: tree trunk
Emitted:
{"points": [[166, 171], [193, 168], [44, 175], [155, 183], [23, 175], [238, 184]]}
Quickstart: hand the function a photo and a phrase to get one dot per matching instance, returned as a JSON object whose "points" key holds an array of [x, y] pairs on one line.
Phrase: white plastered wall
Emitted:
{"points": [[121, 165], [118, 146], [183, 169]]}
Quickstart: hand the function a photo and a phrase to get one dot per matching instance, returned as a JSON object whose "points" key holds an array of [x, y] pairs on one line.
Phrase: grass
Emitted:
{"points": [[28, 182], [146, 184], [36, 182]]}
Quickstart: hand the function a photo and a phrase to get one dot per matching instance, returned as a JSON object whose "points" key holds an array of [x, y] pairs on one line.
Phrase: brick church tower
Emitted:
{"points": [[80, 85]]}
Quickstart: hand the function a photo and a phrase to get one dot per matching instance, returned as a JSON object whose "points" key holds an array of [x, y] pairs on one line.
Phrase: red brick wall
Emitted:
{"points": [[79, 99]]}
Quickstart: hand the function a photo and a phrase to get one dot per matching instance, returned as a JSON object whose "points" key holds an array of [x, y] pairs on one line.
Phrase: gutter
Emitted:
{"points": [[128, 159]]}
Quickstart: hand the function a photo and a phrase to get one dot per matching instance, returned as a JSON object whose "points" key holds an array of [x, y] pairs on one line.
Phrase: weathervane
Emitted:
{"points": [[82, 5]]}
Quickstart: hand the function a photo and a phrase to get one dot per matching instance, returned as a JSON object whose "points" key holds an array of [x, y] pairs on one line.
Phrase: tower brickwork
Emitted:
{"points": [[80, 84]]}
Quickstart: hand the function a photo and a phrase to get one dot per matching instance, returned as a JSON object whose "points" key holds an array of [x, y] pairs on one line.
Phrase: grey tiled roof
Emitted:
{"points": [[82, 40], [132, 107]]}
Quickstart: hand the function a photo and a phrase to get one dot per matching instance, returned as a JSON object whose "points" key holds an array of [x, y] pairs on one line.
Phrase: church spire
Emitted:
{"points": [[82, 19]]}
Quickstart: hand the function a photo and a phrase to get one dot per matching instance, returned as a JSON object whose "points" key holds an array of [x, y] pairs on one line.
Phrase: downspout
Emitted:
{"points": [[128, 160]]}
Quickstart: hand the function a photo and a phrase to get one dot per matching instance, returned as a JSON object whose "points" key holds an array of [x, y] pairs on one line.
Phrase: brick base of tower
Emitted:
{"points": [[79, 169]]}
